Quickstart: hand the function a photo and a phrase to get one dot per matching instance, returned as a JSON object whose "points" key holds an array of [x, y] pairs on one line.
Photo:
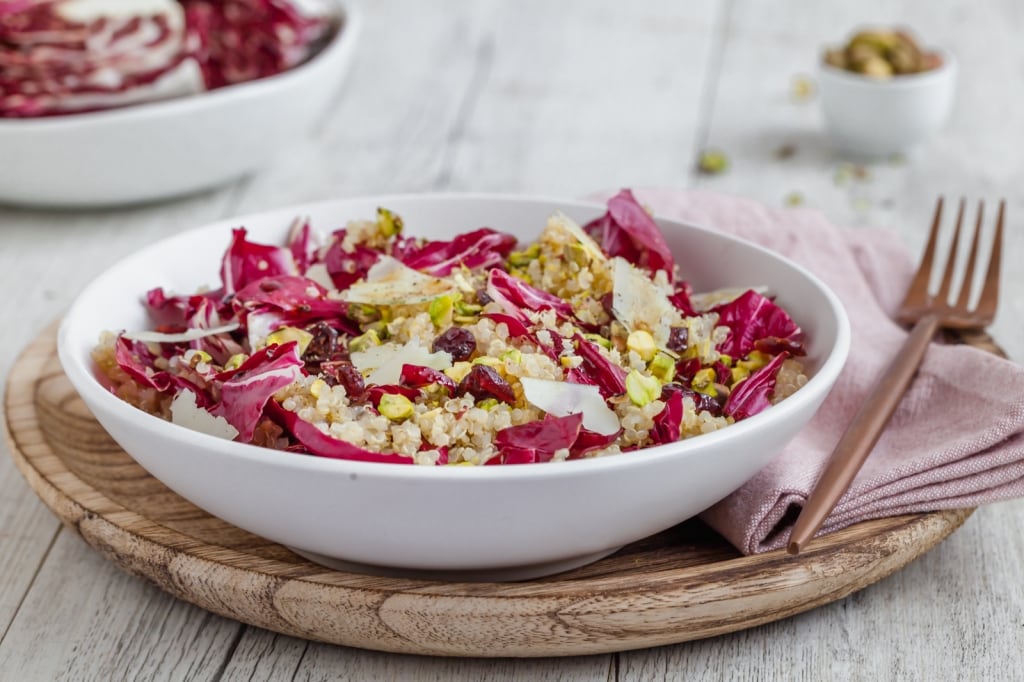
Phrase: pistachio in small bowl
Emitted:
{"points": [[883, 53]]}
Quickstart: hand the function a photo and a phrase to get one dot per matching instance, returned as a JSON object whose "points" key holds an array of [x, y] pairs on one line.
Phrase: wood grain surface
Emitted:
{"points": [[680, 585]]}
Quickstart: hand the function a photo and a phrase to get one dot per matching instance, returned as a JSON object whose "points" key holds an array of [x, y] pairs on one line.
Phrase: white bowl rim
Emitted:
{"points": [[948, 67], [351, 25], [82, 375]]}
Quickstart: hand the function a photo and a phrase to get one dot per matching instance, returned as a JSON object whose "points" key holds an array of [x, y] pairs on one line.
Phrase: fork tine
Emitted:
{"points": [[947, 276], [990, 291], [917, 293], [967, 284]]}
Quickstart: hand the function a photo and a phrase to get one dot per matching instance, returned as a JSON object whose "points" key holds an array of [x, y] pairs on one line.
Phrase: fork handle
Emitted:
{"points": [[863, 432]]}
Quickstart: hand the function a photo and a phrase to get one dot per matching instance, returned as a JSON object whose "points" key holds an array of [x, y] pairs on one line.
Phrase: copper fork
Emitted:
{"points": [[928, 313]]}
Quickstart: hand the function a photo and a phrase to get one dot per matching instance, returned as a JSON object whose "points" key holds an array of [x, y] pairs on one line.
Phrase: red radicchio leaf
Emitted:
{"points": [[247, 389], [536, 441], [316, 442], [138, 362], [752, 395], [418, 376], [668, 423], [302, 245], [477, 250], [589, 440], [627, 230], [288, 300], [752, 317], [348, 267], [375, 392], [515, 296], [597, 370], [246, 262], [552, 344]]}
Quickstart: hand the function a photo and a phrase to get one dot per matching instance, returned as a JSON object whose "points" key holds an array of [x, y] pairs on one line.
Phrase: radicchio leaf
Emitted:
{"points": [[418, 376], [139, 362], [597, 370], [477, 250], [668, 423], [302, 245], [247, 262], [515, 296], [536, 441], [287, 300], [316, 442], [751, 317], [247, 389], [348, 267], [627, 230], [752, 395]]}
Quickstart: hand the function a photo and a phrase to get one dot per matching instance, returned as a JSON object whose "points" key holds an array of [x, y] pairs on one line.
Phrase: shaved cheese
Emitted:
{"points": [[181, 337], [186, 412], [86, 11], [391, 282], [638, 303], [382, 364], [561, 398], [710, 299]]}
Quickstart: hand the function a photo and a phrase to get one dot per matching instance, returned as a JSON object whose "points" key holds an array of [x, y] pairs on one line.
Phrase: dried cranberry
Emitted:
{"points": [[678, 339], [324, 345], [700, 400], [346, 375], [483, 298], [484, 382], [458, 341]]}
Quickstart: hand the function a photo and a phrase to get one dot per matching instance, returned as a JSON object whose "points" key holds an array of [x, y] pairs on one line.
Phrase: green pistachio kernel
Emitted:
{"points": [[364, 341], [388, 223], [458, 371], [441, 310], [642, 343], [512, 356], [522, 258], [286, 334], [599, 340], [487, 403], [642, 389], [663, 367], [235, 361], [395, 406], [704, 382]]}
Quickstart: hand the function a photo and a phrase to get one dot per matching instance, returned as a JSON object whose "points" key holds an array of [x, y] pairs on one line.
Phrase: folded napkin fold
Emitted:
{"points": [[957, 438]]}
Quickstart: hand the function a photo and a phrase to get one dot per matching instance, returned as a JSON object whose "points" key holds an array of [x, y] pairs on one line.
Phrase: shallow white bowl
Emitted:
{"points": [[173, 147], [871, 117], [496, 522]]}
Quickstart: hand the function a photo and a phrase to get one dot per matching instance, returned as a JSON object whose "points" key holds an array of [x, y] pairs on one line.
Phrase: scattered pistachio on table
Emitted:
{"points": [[712, 162], [794, 199], [882, 54], [802, 88]]}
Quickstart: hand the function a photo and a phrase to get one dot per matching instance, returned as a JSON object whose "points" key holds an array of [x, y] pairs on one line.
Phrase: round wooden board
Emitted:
{"points": [[686, 583]]}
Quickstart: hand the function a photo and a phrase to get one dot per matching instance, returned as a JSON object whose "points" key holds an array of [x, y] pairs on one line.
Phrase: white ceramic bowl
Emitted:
{"points": [[174, 147], [871, 117], [496, 522]]}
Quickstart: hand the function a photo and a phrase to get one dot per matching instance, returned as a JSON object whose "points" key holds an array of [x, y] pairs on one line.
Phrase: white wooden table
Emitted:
{"points": [[558, 98]]}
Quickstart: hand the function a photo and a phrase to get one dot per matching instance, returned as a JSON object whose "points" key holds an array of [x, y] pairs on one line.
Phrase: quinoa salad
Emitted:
{"points": [[375, 345]]}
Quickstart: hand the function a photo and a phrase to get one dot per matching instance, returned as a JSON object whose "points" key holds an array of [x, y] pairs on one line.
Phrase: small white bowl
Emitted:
{"points": [[871, 117], [492, 522], [173, 147]]}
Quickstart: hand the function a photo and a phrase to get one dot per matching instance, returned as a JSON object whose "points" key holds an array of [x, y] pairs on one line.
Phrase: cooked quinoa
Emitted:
{"points": [[491, 352]]}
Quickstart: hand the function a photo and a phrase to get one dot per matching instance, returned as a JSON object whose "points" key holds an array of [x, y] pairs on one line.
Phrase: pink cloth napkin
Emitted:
{"points": [[957, 438]]}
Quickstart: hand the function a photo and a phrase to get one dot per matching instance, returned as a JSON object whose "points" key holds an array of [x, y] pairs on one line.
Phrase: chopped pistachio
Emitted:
{"points": [[738, 374], [663, 367], [195, 356], [235, 361], [287, 334], [395, 406], [801, 88], [389, 223], [642, 343], [704, 382], [492, 362], [523, 258], [317, 387], [487, 403], [576, 253], [599, 340], [441, 309], [513, 356], [466, 309], [642, 389], [755, 360], [458, 371], [794, 199], [712, 162], [364, 341]]}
